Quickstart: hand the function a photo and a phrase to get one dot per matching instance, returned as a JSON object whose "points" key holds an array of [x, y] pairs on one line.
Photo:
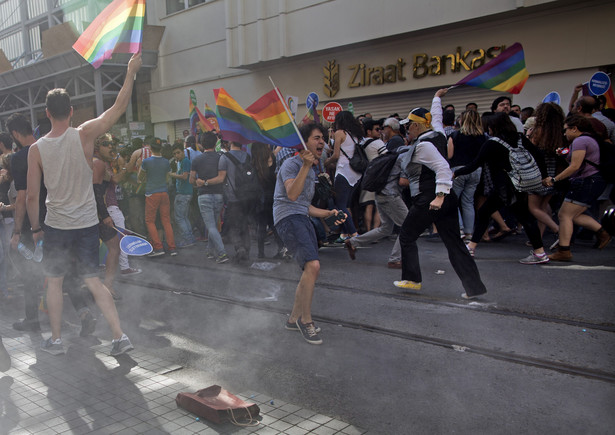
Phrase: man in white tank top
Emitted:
{"points": [[65, 156]]}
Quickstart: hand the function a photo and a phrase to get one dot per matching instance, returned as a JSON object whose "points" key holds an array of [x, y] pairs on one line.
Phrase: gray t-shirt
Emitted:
{"points": [[225, 164], [282, 206]]}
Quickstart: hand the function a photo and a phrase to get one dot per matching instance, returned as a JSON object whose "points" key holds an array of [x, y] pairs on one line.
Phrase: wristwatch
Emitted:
{"points": [[553, 180], [440, 194], [206, 183]]}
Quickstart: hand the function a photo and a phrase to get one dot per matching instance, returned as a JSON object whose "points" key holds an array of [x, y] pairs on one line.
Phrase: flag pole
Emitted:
{"points": [[288, 113]]}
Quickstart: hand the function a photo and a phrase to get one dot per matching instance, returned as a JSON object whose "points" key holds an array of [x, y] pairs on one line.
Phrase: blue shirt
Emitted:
{"points": [[282, 206], [156, 168], [183, 187]]}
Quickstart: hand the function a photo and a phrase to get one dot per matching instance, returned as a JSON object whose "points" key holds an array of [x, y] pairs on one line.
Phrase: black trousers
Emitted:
{"points": [[236, 219], [418, 219], [521, 211]]}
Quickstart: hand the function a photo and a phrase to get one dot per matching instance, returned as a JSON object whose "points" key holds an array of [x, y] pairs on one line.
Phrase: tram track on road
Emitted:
{"points": [[511, 357], [415, 298]]}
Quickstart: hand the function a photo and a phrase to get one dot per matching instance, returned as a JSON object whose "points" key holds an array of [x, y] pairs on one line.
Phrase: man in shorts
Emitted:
{"points": [[64, 156], [292, 207]]}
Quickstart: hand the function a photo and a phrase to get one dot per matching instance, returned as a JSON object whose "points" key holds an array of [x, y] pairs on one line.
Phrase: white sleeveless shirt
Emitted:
{"points": [[68, 178]]}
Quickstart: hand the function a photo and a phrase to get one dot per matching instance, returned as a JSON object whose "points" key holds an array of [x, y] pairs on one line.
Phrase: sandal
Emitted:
{"points": [[502, 235]]}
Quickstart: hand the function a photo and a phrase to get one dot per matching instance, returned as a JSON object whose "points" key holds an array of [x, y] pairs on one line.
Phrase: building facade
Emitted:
{"points": [[383, 57]]}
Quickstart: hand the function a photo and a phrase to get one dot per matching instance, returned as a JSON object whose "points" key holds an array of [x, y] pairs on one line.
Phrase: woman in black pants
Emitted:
{"points": [[496, 156]]}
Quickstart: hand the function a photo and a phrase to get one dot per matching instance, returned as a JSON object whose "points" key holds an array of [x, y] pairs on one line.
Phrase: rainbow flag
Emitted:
{"points": [[192, 113], [210, 115], [505, 73], [311, 116], [265, 120], [204, 123], [117, 29]]}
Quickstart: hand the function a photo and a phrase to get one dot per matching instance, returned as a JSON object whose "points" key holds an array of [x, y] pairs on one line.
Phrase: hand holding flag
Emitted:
{"points": [[117, 29]]}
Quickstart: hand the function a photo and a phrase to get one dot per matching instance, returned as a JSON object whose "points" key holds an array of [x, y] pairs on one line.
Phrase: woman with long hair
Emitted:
{"points": [[463, 147], [496, 156], [348, 132], [586, 185], [263, 161], [547, 136]]}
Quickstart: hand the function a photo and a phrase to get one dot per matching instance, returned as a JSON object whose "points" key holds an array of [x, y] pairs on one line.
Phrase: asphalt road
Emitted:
{"points": [[533, 355]]}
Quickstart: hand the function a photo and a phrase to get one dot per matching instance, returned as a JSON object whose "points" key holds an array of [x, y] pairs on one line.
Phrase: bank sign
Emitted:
{"points": [[363, 75]]}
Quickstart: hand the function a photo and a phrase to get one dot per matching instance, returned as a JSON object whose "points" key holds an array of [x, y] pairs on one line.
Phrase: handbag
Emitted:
{"points": [[219, 406], [358, 161]]}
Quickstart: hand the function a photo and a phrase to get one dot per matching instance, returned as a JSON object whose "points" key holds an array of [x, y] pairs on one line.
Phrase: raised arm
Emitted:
{"points": [[93, 128]]}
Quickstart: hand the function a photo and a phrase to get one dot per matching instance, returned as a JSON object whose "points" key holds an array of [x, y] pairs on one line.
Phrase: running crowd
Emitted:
{"points": [[465, 178]]}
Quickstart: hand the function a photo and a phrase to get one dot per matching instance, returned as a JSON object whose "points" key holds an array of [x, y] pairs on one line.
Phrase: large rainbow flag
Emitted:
{"points": [[505, 73], [117, 29], [266, 120]]}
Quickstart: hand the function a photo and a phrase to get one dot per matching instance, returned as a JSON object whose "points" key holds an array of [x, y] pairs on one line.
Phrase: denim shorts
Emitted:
{"points": [[62, 247], [299, 237], [585, 191]]}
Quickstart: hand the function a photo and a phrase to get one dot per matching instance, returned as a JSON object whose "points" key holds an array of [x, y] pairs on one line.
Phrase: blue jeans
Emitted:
{"points": [[464, 187], [343, 192], [182, 209], [211, 206]]}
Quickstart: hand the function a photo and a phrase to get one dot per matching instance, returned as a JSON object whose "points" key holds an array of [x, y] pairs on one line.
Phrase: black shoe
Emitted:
{"points": [[88, 325], [27, 325]]}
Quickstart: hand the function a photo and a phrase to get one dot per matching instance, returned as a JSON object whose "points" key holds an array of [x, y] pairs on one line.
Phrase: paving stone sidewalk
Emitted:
{"points": [[88, 391]]}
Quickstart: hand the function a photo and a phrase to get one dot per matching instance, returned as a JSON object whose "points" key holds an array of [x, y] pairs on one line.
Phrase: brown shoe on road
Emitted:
{"points": [[561, 256], [352, 251]]}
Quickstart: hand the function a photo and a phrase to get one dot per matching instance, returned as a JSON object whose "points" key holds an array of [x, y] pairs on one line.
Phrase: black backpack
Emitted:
{"points": [[245, 185], [377, 174], [359, 160], [607, 160]]}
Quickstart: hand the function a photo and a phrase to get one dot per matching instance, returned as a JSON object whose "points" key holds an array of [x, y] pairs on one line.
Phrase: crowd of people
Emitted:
{"points": [[450, 176]]}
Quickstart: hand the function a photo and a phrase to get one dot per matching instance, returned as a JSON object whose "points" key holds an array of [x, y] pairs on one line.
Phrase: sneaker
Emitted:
{"points": [[222, 259], [554, 245], [340, 240], [292, 326], [53, 347], [561, 256], [410, 285], [130, 271], [210, 256], [470, 250], [27, 325], [535, 258], [186, 244], [121, 346], [352, 251], [602, 239], [88, 325], [465, 296], [172, 252], [157, 253], [308, 330]]}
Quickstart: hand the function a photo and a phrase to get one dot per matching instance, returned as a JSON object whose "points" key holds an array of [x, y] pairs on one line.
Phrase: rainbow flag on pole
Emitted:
{"points": [[266, 120], [117, 29], [505, 73]]}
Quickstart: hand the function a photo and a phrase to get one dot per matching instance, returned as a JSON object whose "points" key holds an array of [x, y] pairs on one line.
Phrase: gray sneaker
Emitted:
{"points": [[121, 346], [53, 347], [534, 259], [308, 330]]}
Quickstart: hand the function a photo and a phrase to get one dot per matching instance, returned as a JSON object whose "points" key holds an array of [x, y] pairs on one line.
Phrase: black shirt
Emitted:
{"points": [[206, 167], [19, 172]]}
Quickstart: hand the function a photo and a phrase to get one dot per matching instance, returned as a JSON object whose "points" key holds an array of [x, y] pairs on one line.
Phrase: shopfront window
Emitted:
{"points": [[179, 5]]}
